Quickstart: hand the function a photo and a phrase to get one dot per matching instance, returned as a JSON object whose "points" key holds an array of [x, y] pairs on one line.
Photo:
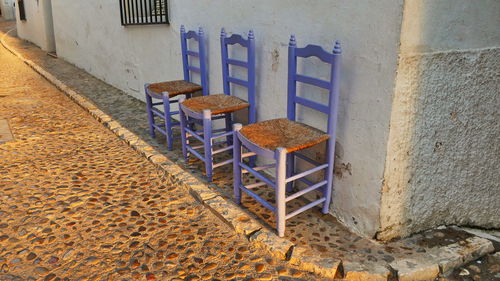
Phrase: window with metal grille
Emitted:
{"points": [[139, 12], [22, 12]]}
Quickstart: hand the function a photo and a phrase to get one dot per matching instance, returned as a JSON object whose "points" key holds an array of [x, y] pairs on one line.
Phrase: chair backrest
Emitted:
{"points": [[199, 37], [332, 85], [227, 79]]}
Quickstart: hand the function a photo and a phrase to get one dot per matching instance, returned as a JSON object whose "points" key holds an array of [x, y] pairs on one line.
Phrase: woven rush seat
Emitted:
{"points": [[218, 104], [175, 88], [291, 135]]}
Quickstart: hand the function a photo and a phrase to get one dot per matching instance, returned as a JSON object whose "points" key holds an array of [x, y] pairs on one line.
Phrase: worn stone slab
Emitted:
{"points": [[328, 267], [201, 192], [158, 159], [354, 271], [416, 269], [5, 133], [240, 221], [458, 254], [279, 247], [495, 257]]}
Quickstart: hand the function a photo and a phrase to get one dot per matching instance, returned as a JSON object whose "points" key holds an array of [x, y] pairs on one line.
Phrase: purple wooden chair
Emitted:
{"points": [[219, 106], [165, 91], [283, 139]]}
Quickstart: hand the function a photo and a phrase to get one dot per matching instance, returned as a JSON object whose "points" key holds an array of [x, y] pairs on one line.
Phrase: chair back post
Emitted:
{"points": [[203, 61], [185, 61], [333, 105], [251, 78], [225, 65], [334, 90], [249, 65], [292, 84]]}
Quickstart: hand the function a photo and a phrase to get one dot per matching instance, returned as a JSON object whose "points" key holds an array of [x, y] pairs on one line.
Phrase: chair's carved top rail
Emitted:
{"points": [[315, 51], [237, 39], [192, 34]]}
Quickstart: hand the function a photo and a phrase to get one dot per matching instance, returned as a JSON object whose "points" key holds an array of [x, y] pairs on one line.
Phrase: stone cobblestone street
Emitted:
{"points": [[76, 203]]}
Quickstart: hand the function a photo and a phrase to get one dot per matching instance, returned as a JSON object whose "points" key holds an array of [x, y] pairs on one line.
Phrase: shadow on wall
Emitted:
{"points": [[442, 163]]}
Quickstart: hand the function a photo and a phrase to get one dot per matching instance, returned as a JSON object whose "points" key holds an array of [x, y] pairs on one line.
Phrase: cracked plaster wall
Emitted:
{"points": [[443, 149]]}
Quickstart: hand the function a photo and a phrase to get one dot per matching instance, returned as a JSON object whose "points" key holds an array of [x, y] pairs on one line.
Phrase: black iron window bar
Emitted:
{"points": [[22, 12], [142, 12]]}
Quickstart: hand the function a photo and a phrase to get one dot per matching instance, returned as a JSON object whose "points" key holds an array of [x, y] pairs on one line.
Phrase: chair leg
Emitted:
{"points": [[192, 125], [168, 121], [207, 142], [149, 109], [236, 164], [229, 124], [184, 139], [280, 156], [329, 176], [290, 169]]}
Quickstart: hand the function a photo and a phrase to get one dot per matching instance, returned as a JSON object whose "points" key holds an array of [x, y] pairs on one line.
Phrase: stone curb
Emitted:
{"points": [[426, 267]]}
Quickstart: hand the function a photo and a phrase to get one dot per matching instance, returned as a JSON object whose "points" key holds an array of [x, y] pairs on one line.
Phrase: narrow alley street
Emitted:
{"points": [[77, 203]]}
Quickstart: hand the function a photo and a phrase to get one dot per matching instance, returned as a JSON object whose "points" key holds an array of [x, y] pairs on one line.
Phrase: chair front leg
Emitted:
{"points": [[327, 191], [184, 139], [207, 142], [168, 120], [192, 125], [229, 124], [237, 181], [290, 169], [149, 110], [280, 156]]}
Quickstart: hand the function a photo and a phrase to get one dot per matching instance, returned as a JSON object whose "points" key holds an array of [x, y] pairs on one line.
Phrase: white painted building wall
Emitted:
{"points": [[88, 34], [38, 27], [7, 7], [444, 149]]}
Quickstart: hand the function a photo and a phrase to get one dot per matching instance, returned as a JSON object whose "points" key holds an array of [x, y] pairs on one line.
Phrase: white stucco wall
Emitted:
{"points": [[443, 149], [8, 12], [38, 26], [89, 34]]}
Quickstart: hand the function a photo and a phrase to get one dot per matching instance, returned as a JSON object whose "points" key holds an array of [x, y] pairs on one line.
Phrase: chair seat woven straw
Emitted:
{"points": [[291, 135], [218, 104], [175, 88]]}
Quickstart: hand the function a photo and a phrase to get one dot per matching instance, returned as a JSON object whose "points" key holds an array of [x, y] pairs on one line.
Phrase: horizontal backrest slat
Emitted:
{"points": [[313, 81], [194, 68], [237, 81], [312, 104], [237, 62], [192, 53]]}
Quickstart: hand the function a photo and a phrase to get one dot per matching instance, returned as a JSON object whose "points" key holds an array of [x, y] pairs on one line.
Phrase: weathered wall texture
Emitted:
{"points": [[8, 12], [89, 34], [38, 26], [444, 148]]}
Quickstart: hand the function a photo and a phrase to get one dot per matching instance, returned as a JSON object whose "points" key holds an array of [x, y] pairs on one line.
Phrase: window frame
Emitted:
{"points": [[143, 12]]}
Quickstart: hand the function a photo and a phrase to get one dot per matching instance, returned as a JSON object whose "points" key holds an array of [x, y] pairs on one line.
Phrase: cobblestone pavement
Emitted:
{"points": [[76, 203], [320, 234]]}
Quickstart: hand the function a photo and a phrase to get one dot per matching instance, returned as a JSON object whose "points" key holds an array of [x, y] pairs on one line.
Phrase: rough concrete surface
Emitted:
{"points": [[443, 148], [444, 151]]}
